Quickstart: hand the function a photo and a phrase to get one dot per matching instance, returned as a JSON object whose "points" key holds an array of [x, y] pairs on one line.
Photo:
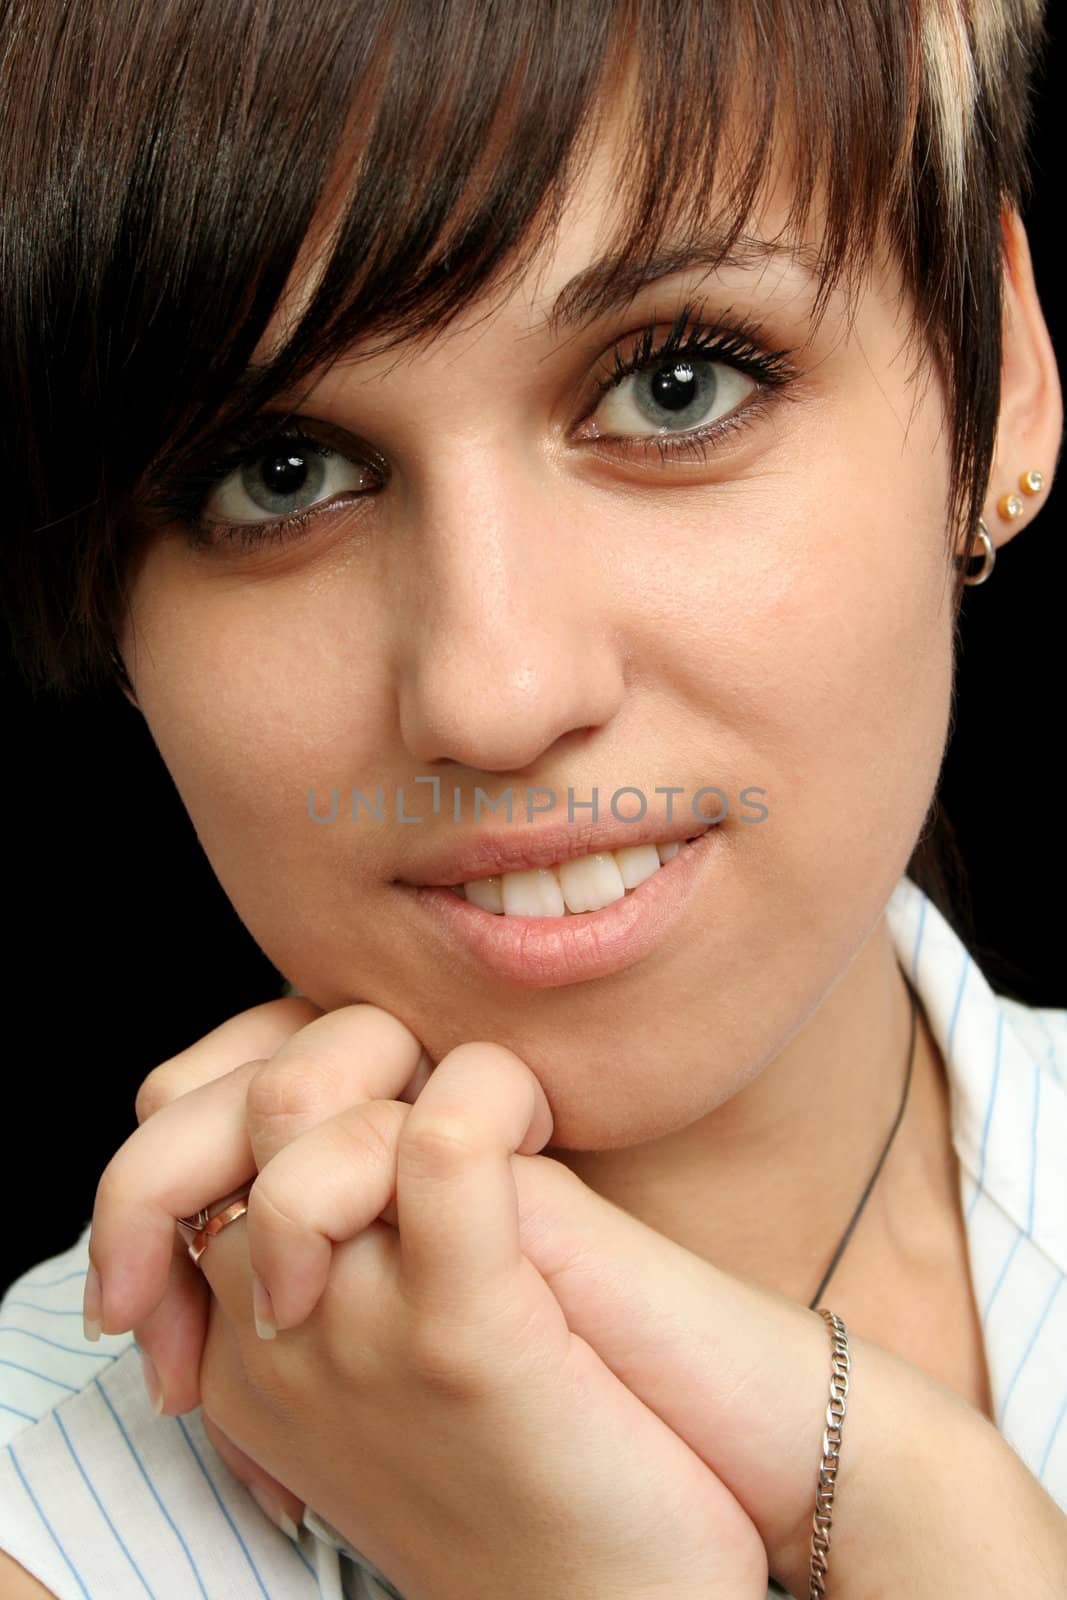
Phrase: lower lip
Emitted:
{"points": [[546, 952]]}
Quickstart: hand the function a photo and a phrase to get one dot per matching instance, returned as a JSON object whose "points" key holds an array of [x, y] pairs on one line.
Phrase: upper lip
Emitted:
{"points": [[497, 851]]}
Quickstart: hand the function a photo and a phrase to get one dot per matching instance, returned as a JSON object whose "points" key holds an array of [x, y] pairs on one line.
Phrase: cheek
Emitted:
{"points": [[822, 624], [250, 709], [859, 648], [811, 647], [237, 742], [869, 621]]}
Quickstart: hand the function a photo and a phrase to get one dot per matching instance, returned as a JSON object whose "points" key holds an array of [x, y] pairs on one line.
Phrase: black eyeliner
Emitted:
{"points": [[739, 343]]}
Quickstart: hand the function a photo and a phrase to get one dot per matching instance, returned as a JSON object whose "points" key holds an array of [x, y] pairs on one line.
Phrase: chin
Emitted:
{"points": [[606, 1121]]}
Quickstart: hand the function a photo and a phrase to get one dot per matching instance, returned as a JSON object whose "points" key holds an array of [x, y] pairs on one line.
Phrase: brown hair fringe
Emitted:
{"points": [[161, 165]]}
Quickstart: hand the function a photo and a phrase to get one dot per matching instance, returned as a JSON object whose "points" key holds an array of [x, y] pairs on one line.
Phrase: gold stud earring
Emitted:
{"points": [[1032, 482], [1010, 507]]}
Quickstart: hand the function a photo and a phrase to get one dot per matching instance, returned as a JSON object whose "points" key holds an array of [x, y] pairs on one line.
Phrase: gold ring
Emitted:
{"points": [[198, 1229]]}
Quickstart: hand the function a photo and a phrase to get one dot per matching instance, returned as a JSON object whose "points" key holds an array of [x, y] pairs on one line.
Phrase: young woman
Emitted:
{"points": [[523, 464]]}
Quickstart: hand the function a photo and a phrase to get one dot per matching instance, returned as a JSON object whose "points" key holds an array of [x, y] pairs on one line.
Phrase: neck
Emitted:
{"points": [[766, 1185]]}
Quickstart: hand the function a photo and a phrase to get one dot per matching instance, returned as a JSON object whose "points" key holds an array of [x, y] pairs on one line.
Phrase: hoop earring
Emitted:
{"points": [[989, 556]]}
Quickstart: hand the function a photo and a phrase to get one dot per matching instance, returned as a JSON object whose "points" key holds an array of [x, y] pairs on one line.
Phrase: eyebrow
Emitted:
{"points": [[610, 283], [613, 281]]}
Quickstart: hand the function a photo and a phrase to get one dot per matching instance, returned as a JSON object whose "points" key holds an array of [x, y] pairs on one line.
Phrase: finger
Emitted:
{"points": [[153, 1179], [252, 1035], [345, 1057], [171, 1338], [456, 1200], [361, 1276], [328, 1185], [159, 1174], [283, 1508]]}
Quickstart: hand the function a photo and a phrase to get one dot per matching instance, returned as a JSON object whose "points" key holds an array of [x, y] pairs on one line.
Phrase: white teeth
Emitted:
{"points": [[591, 883], [485, 892], [532, 894], [588, 884], [637, 862]]}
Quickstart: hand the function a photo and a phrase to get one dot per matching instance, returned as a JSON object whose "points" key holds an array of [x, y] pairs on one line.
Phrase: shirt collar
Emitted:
{"points": [[1008, 1103]]}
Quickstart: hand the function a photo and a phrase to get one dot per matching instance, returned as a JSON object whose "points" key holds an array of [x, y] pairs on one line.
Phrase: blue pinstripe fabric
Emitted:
{"points": [[87, 1480], [104, 1501], [53, 1536]]}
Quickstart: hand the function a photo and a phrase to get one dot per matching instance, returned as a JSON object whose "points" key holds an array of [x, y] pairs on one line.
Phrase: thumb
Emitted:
{"points": [[273, 1499]]}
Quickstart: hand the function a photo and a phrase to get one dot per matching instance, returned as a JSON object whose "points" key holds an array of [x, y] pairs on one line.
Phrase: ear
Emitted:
{"points": [[1031, 403]]}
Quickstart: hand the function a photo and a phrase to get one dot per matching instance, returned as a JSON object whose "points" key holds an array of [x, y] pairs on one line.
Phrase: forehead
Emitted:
{"points": [[584, 264]]}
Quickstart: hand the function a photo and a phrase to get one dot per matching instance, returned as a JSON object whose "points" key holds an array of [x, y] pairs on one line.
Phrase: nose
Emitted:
{"points": [[505, 640]]}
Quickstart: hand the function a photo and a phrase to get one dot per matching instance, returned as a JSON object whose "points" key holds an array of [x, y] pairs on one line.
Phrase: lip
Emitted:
{"points": [[497, 851], [549, 952]]}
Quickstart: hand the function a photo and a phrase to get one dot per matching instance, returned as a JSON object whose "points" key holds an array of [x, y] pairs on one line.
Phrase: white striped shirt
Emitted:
{"points": [[102, 1500]]}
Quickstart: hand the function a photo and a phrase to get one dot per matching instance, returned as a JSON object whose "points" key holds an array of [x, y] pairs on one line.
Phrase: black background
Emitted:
{"points": [[124, 948]]}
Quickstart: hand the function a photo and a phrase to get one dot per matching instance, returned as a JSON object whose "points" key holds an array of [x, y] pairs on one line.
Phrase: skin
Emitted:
{"points": [[736, 622], [750, 640]]}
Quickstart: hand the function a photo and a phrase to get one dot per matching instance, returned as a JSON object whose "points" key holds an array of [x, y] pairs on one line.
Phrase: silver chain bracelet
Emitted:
{"points": [[831, 1451]]}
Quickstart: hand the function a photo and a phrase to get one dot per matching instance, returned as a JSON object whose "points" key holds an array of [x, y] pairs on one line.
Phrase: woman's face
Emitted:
{"points": [[523, 603]]}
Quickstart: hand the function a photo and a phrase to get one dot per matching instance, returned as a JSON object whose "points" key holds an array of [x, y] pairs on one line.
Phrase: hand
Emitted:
{"points": [[171, 1336], [737, 1371], [740, 1374], [453, 1326]]}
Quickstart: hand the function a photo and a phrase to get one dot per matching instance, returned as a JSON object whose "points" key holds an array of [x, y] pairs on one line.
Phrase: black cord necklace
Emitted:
{"points": [[773, 1586], [881, 1159]]}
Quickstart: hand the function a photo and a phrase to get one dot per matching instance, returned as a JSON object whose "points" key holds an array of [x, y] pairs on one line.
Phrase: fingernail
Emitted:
{"points": [[92, 1305], [263, 1310], [270, 1508], [152, 1383]]}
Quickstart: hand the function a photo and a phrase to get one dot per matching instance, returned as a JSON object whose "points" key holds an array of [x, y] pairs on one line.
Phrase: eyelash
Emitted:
{"points": [[736, 344]]}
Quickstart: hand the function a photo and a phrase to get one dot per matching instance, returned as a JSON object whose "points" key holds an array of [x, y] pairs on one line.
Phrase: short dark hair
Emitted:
{"points": [[161, 163]]}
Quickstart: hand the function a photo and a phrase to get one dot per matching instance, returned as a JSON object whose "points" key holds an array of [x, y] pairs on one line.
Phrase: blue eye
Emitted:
{"points": [[291, 473], [285, 472], [687, 385], [674, 392]]}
